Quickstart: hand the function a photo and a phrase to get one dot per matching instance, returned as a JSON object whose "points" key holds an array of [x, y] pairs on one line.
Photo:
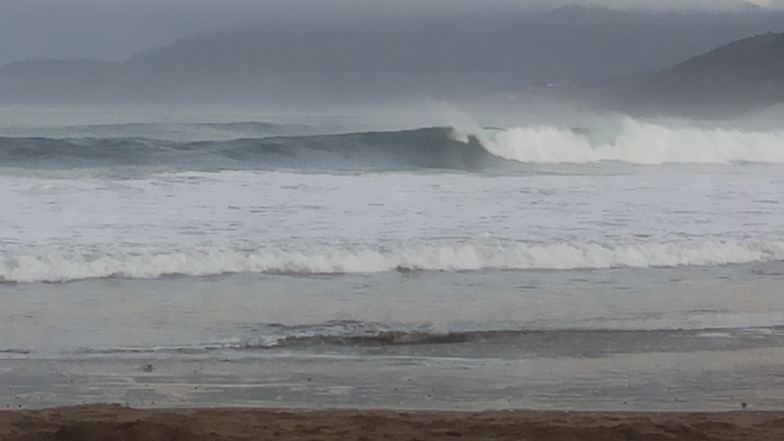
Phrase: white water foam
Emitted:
{"points": [[150, 263], [637, 143]]}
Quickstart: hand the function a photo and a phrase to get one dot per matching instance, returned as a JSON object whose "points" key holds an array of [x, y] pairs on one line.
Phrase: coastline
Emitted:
{"points": [[110, 422]]}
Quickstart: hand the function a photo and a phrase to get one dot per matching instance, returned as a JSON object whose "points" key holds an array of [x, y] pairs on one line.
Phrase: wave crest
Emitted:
{"points": [[425, 148]]}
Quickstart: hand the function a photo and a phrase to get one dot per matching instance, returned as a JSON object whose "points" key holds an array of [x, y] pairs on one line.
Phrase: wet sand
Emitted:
{"points": [[691, 395], [114, 422], [696, 381]]}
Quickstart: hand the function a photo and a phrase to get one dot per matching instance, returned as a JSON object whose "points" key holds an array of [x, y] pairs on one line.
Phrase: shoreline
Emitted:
{"points": [[110, 422]]}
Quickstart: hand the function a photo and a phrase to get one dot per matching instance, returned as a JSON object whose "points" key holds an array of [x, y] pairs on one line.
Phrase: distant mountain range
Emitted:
{"points": [[738, 77], [455, 57]]}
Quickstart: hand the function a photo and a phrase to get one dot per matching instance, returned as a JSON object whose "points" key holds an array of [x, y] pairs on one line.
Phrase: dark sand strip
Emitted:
{"points": [[106, 423]]}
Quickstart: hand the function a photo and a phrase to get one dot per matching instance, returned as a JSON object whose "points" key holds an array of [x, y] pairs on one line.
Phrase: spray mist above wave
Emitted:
{"points": [[634, 142], [58, 266], [166, 130]]}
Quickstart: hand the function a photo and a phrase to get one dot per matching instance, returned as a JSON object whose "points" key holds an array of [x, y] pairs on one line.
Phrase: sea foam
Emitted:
{"points": [[150, 263], [634, 142]]}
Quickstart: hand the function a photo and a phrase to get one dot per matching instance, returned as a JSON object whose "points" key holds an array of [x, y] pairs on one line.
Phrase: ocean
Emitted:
{"points": [[329, 261]]}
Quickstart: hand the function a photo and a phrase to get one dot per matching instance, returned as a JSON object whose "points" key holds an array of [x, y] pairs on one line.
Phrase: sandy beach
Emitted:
{"points": [[114, 422]]}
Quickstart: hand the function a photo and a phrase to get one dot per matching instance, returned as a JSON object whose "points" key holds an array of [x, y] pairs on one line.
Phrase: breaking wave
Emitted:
{"points": [[141, 263], [354, 335], [427, 148], [349, 333], [637, 143]]}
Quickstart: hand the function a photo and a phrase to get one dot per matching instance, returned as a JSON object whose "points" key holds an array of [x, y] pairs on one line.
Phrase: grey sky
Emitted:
{"points": [[115, 29]]}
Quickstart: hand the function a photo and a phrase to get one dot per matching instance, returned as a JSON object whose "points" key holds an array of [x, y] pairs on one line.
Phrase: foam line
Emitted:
{"points": [[150, 263]]}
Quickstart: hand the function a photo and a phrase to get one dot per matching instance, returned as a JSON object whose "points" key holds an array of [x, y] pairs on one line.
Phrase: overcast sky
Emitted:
{"points": [[115, 29]]}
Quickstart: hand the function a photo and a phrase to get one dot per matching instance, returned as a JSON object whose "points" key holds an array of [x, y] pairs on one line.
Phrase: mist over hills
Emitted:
{"points": [[285, 63], [744, 75], [59, 81]]}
